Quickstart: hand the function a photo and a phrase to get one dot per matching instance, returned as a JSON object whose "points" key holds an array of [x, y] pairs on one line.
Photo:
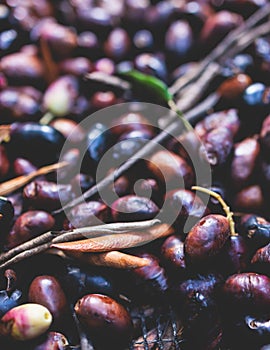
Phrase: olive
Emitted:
{"points": [[249, 199], [206, 239], [29, 225], [172, 253], [47, 291], [183, 204], [133, 208], [143, 40], [179, 39], [169, 167], [107, 321], [26, 138], [53, 341], [88, 214], [148, 63], [117, 44], [6, 214], [247, 292], [244, 161], [253, 95], [22, 166], [256, 229], [66, 127], [46, 195], [260, 261], [78, 66], [81, 182]]}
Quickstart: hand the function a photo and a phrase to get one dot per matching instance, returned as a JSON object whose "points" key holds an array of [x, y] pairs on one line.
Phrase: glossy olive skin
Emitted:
{"points": [[249, 200], [228, 119], [172, 253], [46, 195], [47, 291], [104, 319], [150, 281], [235, 256], [28, 137], [133, 208], [260, 261], [244, 161], [217, 146], [53, 341], [150, 188], [81, 182], [247, 292], [22, 166], [88, 214], [29, 225], [184, 204], [256, 229], [206, 239]]}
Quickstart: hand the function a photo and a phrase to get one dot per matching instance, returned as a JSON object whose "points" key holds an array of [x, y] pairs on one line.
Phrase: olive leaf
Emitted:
{"points": [[153, 85]]}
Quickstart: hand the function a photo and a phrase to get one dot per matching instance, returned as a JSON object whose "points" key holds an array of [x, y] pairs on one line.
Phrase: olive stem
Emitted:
{"points": [[47, 118], [224, 205]]}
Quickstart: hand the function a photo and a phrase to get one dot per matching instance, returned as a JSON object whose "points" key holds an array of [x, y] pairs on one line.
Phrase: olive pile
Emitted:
{"points": [[216, 277]]}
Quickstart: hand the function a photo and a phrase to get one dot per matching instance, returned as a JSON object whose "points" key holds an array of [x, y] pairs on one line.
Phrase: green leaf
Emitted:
{"points": [[153, 85]]}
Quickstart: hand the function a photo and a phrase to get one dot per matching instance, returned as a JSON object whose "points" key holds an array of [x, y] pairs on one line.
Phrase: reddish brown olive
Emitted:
{"points": [[172, 252], [133, 208], [174, 170], [206, 239], [232, 88], [47, 291], [104, 319], [228, 119], [77, 66], [22, 166], [29, 225], [46, 195], [248, 292], [88, 214], [249, 199], [260, 261], [244, 161]]}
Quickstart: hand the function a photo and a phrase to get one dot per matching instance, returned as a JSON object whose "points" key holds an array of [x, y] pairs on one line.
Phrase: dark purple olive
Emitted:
{"points": [[29, 225], [27, 137], [23, 68], [106, 321], [117, 44], [265, 135], [256, 229], [122, 186], [133, 208], [80, 281], [179, 38], [169, 167], [98, 140], [53, 341], [78, 66], [217, 146], [148, 63], [260, 261], [81, 183], [236, 255], [105, 65], [46, 195], [182, 205], [22, 166], [253, 95], [125, 149], [206, 239], [88, 214], [16, 200], [172, 253], [228, 119], [244, 160], [151, 280], [4, 162], [247, 292], [19, 105], [249, 199], [47, 291], [143, 40], [150, 188]]}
